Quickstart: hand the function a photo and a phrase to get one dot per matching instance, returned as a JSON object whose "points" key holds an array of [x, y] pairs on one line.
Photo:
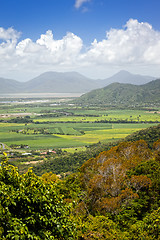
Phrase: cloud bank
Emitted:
{"points": [[136, 44]]}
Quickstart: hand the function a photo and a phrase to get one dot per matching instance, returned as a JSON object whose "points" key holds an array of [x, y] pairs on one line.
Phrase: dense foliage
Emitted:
{"points": [[119, 193], [30, 208]]}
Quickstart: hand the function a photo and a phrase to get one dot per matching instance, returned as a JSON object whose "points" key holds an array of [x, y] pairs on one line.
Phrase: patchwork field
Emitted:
{"points": [[53, 123], [64, 135]]}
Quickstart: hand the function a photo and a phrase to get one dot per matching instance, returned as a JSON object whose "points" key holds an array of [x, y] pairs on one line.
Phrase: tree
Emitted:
{"points": [[31, 209], [105, 177]]}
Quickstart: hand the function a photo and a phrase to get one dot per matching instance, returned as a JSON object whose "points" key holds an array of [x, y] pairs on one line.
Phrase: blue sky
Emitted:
{"points": [[94, 37]]}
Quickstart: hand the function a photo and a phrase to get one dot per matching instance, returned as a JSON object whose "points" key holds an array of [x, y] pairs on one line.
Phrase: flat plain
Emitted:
{"points": [[55, 123]]}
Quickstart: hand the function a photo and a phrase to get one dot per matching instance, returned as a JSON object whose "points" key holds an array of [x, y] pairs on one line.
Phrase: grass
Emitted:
{"points": [[73, 149]]}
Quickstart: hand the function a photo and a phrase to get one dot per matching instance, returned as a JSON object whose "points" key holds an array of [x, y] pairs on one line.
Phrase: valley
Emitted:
{"points": [[34, 130], [94, 164]]}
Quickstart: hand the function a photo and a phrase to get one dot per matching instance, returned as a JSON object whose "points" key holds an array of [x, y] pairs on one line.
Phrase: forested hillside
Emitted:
{"points": [[122, 187], [114, 195], [118, 94]]}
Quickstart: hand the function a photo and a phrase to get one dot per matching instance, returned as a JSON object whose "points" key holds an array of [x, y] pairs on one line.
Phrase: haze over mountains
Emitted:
{"points": [[69, 82], [126, 77]]}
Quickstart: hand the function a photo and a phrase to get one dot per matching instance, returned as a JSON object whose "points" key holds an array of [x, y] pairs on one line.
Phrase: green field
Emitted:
{"points": [[66, 135], [55, 125]]}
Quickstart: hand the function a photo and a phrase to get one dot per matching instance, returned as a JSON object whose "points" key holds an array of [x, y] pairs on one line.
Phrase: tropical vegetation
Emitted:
{"points": [[114, 195]]}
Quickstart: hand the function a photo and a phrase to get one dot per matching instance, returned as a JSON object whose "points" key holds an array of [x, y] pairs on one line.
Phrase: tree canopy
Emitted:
{"points": [[30, 208]]}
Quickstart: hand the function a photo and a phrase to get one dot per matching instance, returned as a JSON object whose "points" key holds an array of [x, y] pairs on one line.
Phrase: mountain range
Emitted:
{"points": [[68, 82]]}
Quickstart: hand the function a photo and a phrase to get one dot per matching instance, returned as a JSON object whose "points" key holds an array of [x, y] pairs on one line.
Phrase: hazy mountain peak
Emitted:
{"points": [[127, 77], [123, 73]]}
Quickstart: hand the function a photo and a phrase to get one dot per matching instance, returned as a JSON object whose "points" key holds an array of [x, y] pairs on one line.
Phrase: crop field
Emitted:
{"points": [[50, 124], [137, 116], [64, 135]]}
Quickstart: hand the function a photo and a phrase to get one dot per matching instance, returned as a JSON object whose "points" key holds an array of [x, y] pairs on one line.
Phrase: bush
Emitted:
{"points": [[31, 208]]}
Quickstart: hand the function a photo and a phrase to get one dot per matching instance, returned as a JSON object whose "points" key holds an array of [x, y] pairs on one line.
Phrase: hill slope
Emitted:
{"points": [[123, 94], [10, 86]]}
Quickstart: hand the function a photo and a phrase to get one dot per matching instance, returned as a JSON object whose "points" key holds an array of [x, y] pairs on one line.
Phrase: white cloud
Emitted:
{"points": [[136, 46], [135, 43], [33, 57], [47, 51], [65, 49], [8, 43], [9, 34], [79, 3]]}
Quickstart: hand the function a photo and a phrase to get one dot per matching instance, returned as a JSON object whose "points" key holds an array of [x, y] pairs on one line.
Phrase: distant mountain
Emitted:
{"points": [[126, 77], [123, 94], [68, 82], [10, 86], [59, 82]]}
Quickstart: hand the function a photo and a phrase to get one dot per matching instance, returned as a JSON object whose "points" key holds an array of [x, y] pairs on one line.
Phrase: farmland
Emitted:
{"points": [[55, 123], [60, 136]]}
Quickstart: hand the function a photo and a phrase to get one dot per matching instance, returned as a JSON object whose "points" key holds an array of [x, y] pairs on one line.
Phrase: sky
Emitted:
{"points": [[96, 38]]}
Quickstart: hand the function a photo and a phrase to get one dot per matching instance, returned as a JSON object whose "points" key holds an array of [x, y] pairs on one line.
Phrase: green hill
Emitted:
{"points": [[123, 94]]}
